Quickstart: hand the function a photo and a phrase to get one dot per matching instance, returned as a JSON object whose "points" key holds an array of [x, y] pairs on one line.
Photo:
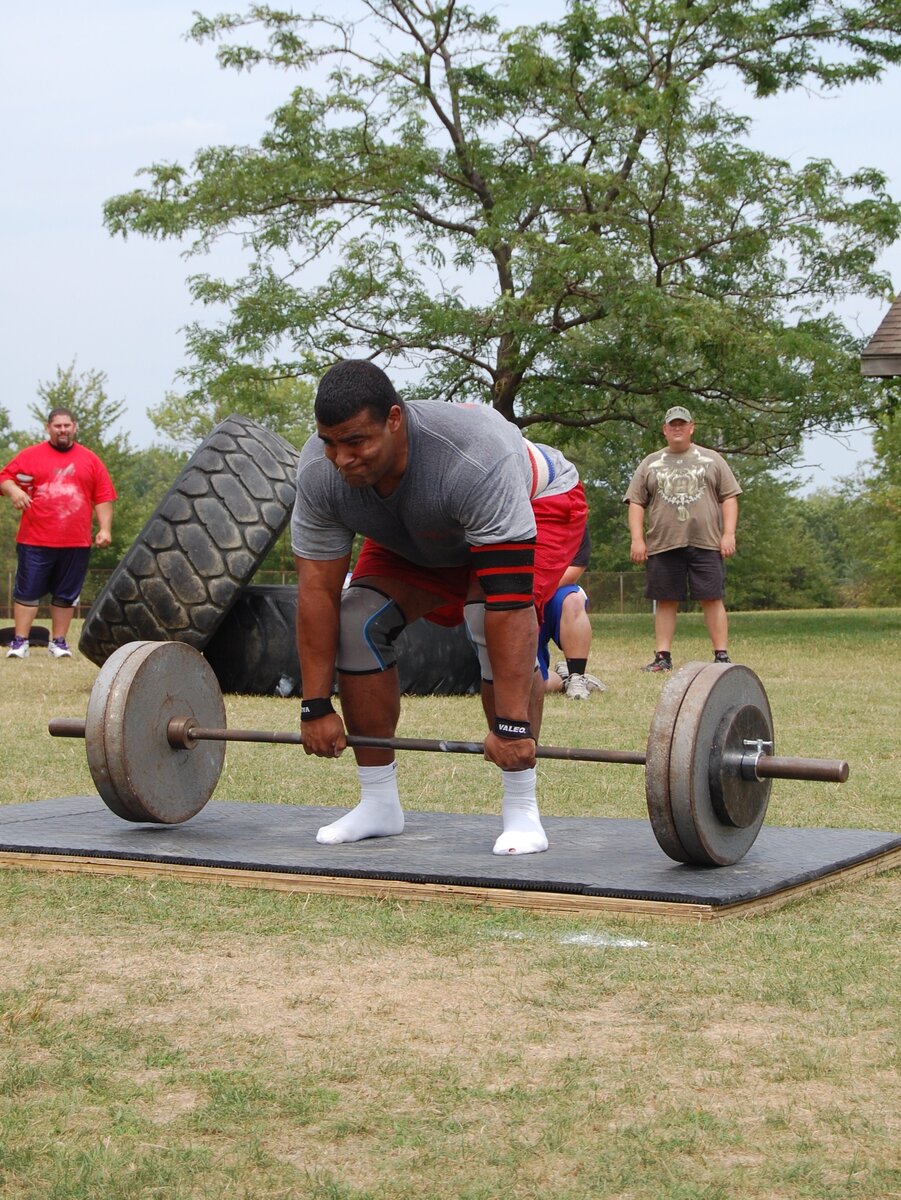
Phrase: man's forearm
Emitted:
{"points": [[636, 521], [512, 640], [104, 514], [18, 496], [318, 622]]}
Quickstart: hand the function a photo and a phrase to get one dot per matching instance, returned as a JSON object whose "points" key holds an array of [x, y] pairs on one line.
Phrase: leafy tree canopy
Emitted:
{"points": [[9, 443], [282, 405], [881, 532], [563, 220]]}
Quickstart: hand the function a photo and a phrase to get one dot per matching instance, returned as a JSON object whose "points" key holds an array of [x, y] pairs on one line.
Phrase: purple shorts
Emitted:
{"points": [[672, 572], [57, 571]]}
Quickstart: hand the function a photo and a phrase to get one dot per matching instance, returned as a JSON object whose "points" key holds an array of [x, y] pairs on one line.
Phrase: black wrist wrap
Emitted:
{"points": [[509, 727], [312, 710]]}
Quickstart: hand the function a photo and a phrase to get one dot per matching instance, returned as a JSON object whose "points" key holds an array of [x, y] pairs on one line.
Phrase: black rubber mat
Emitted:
{"points": [[590, 857]]}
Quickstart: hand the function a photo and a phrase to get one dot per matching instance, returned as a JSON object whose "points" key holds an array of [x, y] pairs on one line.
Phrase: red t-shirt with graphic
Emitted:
{"points": [[65, 485]]}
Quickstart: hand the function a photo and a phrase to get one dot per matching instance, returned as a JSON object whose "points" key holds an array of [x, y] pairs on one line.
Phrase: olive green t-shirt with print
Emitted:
{"points": [[682, 495]]}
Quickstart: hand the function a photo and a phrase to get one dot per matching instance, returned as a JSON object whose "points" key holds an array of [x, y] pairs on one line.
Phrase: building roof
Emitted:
{"points": [[882, 354]]}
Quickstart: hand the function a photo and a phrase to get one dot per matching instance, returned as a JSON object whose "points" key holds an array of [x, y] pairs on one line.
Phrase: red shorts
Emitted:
{"points": [[561, 524]]}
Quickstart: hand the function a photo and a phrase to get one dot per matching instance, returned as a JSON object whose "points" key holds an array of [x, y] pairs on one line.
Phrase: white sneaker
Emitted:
{"points": [[594, 684], [18, 648], [576, 688], [591, 681], [59, 648]]}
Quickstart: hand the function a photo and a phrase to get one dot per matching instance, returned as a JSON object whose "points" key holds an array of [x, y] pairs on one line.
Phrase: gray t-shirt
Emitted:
{"points": [[468, 481], [683, 496]]}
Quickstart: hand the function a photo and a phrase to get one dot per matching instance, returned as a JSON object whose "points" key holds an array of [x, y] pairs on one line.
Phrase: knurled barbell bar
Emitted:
{"points": [[155, 734]]}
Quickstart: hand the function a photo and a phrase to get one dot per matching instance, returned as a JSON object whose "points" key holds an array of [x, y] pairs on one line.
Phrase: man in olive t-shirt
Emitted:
{"points": [[690, 497]]}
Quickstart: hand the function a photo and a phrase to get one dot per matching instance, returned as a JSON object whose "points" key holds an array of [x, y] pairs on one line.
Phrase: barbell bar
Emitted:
{"points": [[183, 733], [155, 734]]}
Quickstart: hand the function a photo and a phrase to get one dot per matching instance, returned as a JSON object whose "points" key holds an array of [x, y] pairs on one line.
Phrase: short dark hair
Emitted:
{"points": [[351, 386], [61, 412]]}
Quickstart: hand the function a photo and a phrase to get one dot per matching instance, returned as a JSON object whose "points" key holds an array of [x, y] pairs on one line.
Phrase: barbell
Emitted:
{"points": [[155, 734]]}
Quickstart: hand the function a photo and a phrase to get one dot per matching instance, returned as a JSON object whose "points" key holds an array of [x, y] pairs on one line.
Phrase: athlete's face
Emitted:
{"points": [[678, 435], [61, 431], [366, 450]]}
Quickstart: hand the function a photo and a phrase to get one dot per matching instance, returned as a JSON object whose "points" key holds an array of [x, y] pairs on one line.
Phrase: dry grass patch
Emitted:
{"points": [[369, 1050]]}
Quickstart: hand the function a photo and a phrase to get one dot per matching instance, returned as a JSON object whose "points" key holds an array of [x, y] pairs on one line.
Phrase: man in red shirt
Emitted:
{"points": [[57, 486]]}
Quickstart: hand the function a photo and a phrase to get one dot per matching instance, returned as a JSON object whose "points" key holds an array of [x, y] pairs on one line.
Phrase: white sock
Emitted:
{"points": [[523, 833], [378, 814]]}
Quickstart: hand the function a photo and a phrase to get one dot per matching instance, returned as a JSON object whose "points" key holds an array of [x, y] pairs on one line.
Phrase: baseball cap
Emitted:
{"points": [[677, 414]]}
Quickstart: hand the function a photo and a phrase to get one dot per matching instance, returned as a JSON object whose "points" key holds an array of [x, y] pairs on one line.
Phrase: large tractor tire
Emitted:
{"points": [[201, 545], [254, 650]]}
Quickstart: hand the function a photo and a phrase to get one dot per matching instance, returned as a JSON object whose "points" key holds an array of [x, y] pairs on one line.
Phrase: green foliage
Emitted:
{"points": [[9, 518], [879, 528], [283, 405], [833, 519], [857, 525], [8, 439], [561, 220], [86, 396], [780, 562]]}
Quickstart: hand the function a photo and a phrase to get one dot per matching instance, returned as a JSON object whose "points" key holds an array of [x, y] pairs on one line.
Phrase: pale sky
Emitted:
{"points": [[92, 91]]}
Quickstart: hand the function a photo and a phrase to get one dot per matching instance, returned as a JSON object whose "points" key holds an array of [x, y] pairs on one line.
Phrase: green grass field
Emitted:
{"points": [[182, 1041]]}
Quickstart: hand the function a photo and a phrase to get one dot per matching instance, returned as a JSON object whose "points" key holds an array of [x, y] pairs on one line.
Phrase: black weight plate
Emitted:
{"points": [[743, 731], [710, 695]]}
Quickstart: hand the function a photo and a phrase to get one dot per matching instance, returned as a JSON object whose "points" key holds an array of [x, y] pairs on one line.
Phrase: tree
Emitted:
{"points": [[780, 563], [9, 517], [833, 518], [9, 443], [85, 395], [880, 526], [563, 220], [284, 405]]}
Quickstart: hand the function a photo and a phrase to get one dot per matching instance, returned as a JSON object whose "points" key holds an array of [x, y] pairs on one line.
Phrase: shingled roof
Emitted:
{"points": [[882, 354]]}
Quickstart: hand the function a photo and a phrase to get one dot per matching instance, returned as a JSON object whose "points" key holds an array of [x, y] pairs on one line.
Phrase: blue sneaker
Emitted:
{"points": [[59, 648]]}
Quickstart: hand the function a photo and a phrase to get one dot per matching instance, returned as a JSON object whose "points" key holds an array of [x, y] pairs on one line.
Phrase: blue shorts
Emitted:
{"points": [[57, 571], [550, 626]]}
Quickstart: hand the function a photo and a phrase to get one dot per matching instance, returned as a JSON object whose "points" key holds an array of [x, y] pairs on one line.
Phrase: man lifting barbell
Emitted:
{"points": [[462, 519]]}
